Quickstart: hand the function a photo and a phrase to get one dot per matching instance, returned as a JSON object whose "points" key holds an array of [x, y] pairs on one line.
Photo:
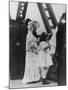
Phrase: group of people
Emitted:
{"points": [[38, 58], [30, 52]]}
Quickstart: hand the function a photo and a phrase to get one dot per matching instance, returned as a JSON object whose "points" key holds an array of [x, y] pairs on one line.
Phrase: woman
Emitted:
{"points": [[31, 69], [44, 58]]}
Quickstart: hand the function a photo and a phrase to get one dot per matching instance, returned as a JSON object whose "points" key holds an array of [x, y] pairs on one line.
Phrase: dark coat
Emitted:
{"points": [[61, 39], [17, 49], [61, 53]]}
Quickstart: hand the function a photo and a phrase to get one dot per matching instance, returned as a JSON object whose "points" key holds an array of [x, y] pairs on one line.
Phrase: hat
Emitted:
{"points": [[27, 21], [45, 36]]}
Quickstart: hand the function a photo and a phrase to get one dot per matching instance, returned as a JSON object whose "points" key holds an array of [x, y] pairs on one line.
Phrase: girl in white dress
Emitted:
{"points": [[31, 69], [44, 59]]}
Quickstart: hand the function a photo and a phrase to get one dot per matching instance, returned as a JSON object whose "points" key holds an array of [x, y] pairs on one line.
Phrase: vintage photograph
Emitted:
{"points": [[37, 44]]}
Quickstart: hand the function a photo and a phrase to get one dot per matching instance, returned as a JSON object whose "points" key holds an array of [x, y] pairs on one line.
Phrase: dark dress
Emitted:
{"points": [[61, 53], [17, 49]]}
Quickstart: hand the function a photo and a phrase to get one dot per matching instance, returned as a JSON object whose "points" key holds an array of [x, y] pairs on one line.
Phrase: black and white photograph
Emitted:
{"points": [[37, 44]]}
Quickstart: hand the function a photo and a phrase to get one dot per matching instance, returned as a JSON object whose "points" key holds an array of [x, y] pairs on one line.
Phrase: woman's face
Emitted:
{"points": [[30, 26]]}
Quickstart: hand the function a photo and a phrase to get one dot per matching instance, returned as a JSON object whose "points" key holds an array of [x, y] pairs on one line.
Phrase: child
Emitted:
{"points": [[44, 58]]}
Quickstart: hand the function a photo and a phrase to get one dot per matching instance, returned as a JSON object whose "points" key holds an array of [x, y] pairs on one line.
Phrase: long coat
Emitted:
{"points": [[17, 49], [61, 53]]}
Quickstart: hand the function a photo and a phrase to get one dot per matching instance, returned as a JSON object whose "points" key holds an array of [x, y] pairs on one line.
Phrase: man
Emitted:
{"points": [[61, 50], [18, 32], [14, 30], [22, 48]]}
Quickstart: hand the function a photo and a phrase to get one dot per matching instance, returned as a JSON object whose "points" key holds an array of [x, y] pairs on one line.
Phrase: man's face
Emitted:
{"points": [[63, 20]]}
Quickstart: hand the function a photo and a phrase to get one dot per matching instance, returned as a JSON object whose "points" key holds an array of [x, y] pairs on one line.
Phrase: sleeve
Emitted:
{"points": [[30, 41]]}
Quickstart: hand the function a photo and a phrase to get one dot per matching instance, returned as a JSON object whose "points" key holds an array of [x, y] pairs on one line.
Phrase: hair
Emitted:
{"points": [[64, 15], [27, 21]]}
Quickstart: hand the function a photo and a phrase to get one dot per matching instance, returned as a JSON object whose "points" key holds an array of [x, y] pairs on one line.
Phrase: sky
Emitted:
{"points": [[60, 8], [34, 14]]}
